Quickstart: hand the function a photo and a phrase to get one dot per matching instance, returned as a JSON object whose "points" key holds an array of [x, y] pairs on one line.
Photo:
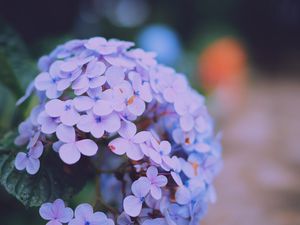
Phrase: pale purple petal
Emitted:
{"points": [[32, 166], [152, 173], [87, 147], [97, 81], [46, 211], [55, 107], [70, 117], [141, 187], [141, 137], [183, 195], [95, 69], [155, 192], [187, 122], [119, 146], [48, 124], [53, 93], [114, 75], [86, 122], [127, 130], [111, 123], [102, 108], [36, 151], [69, 153], [43, 81], [161, 181], [145, 92], [21, 161], [134, 153], [63, 84], [65, 133], [83, 103], [132, 205], [80, 83], [136, 105], [83, 211]]}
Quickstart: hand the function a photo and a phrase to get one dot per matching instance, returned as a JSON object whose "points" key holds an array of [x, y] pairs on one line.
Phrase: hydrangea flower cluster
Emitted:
{"points": [[102, 96]]}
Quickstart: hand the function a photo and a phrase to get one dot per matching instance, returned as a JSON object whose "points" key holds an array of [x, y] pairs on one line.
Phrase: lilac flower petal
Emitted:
{"points": [[36, 150], [136, 106], [132, 205], [97, 81], [70, 118], [69, 66], [95, 69], [134, 152], [111, 123], [119, 146], [42, 82], [80, 83], [63, 84], [69, 153], [145, 92], [65, 133], [46, 211], [97, 131], [155, 192], [83, 211], [102, 108], [54, 222], [27, 94], [141, 137], [187, 122], [86, 123], [155, 156], [56, 145], [152, 173], [87, 147], [141, 187], [165, 146], [54, 107], [53, 93], [83, 103], [114, 75], [32, 166], [21, 161], [48, 124], [176, 178], [127, 130], [183, 195]]}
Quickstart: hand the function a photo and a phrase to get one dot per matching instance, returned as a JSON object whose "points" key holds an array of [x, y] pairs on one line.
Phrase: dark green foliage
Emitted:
{"points": [[54, 179]]}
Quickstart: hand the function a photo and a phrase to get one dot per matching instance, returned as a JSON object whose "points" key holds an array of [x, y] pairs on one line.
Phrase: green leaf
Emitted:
{"points": [[54, 179], [17, 67]]}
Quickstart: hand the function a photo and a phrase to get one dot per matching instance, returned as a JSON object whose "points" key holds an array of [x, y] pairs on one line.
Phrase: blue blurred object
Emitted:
{"points": [[162, 40]]}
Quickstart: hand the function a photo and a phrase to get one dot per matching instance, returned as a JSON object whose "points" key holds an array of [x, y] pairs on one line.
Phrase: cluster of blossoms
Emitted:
{"points": [[103, 96]]}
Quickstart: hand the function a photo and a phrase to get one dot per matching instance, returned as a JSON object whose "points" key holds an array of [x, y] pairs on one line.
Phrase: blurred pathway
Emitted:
{"points": [[260, 182]]}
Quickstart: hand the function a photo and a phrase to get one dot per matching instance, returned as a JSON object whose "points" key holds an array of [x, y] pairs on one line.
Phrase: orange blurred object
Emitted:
{"points": [[222, 69], [222, 62]]}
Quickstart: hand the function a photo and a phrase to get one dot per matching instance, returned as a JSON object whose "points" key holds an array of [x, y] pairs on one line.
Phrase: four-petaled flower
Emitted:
{"points": [[156, 181], [56, 212], [30, 160], [84, 215], [133, 203]]}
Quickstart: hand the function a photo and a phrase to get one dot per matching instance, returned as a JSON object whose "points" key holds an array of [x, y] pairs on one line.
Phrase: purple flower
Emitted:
{"points": [[157, 221], [47, 82], [141, 94], [176, 214], [156, 181], [101, 46], [92, 78], [48, 124], [97, 125], [133, 203], [56, 212], [124, 219], [30, 160], [64, 110], [128, 142], [70, 152], [84, 215]]}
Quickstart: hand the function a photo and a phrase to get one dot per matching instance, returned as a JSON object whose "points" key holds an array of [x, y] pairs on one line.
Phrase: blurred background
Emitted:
{"points": [[242, 54]]}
